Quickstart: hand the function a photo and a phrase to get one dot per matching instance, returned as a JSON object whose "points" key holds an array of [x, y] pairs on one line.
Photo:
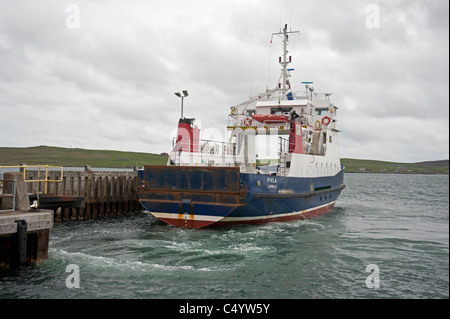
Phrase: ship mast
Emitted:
{"points": [[284, 74], [285, 60]]}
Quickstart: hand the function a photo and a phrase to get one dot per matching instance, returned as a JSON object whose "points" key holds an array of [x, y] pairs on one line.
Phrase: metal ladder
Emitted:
{"points": [[315, 143], [284, 145]]}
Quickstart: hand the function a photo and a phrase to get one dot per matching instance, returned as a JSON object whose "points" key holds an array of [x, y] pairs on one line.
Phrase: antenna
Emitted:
{"points": [[284, 62]]}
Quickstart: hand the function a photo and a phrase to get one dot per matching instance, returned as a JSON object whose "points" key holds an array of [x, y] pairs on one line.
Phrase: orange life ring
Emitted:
{"points": [[326, 120], [248, 121]]}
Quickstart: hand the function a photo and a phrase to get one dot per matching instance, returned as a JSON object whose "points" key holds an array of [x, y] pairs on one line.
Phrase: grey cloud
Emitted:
{"points": [[116, 74]]}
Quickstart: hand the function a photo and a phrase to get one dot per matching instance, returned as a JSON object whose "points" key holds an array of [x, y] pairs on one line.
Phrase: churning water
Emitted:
{"points": [[391, 230]]}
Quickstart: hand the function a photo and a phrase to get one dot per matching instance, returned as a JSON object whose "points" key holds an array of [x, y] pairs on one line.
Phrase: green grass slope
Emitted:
{"points": [[371, 166], [49, 155]]}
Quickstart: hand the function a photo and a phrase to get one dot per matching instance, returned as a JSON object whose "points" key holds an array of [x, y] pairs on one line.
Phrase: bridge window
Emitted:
{"points": [[322, 111], [280, 110]]}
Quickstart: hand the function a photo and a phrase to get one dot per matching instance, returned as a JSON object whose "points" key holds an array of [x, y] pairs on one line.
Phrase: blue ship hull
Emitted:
{"points": [[214, 196]]}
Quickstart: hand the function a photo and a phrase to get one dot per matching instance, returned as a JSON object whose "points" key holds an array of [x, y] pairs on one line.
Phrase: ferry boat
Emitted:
{"points": [[216, 183]]}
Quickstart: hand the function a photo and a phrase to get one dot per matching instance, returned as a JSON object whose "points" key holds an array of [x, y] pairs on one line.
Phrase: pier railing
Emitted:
{"points": [[42, 175], [99, 193]]}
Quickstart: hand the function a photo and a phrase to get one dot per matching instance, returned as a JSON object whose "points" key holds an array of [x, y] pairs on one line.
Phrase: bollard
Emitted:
{"points": [[21, 242]]}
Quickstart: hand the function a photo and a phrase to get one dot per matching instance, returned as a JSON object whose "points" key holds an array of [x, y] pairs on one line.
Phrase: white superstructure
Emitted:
{"points": [[306, 117]]}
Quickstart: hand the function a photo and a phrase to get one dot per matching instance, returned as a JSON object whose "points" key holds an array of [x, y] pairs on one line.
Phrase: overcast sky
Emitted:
{"points": [[102, 74]]}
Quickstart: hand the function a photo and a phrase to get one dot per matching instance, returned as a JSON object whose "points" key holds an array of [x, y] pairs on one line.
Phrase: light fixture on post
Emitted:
{"points": [[182, 96]]}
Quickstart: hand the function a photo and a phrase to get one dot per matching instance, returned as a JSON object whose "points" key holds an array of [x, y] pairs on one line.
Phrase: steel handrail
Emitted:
{"points": [[46, 180]]}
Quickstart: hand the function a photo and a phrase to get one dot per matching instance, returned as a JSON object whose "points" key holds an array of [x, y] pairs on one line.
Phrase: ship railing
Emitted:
{"points": [[235, 117], [204, 146], [295, 95], [214, 147]]}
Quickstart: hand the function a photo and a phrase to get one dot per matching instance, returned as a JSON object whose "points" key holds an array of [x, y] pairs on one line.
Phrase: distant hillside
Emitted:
{"points": [[49, 155], [442, 163], [370, 166]]}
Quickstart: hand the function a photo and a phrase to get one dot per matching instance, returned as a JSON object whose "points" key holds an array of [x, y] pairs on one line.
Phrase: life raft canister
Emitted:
{"points": [[248, 121], [326, 120]]}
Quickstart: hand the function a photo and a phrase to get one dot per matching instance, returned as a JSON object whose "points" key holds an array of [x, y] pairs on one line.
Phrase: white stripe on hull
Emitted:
{"points": [[212, 218], [254, 218], [187, 216]]}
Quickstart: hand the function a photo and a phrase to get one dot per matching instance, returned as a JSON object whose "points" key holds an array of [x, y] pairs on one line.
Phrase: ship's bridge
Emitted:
{"points": [[280, 108]]}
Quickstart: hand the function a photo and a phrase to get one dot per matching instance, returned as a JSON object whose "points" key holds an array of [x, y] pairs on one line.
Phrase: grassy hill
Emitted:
{"points": [[49, 155], [370, 166]]}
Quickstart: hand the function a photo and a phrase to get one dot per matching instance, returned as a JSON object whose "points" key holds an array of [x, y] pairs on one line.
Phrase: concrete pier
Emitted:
{"points": [[72, 195], [33, 247], [24, 232]]}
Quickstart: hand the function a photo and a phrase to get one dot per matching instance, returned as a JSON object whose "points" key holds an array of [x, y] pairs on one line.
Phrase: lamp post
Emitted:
{"points": [[185, 94]]}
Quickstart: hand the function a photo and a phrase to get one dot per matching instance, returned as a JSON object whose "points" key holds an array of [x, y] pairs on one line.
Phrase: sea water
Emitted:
{"points": [[387, 237]]}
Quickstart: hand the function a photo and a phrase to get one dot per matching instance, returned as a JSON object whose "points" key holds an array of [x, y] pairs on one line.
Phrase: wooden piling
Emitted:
{"points": [[107, 193]]}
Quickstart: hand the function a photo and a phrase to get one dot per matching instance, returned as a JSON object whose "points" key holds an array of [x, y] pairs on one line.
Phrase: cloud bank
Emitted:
{"points": [[102, 74]]}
